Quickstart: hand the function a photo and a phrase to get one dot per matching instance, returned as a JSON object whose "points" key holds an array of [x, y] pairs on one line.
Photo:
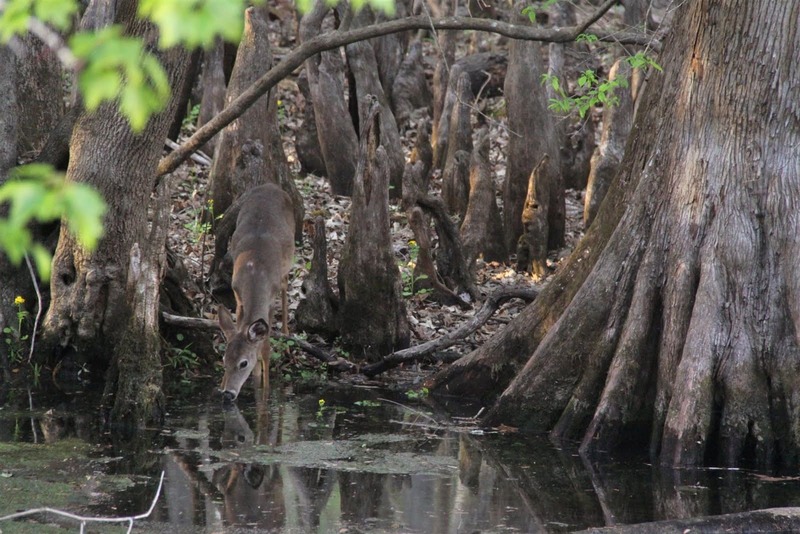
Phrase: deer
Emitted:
{"points": [[261, 249]]}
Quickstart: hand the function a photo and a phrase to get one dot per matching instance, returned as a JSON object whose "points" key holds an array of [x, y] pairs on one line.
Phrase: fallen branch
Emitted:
{"points": [[492, 303], [88, 519], [333, 362], [336, 39]]}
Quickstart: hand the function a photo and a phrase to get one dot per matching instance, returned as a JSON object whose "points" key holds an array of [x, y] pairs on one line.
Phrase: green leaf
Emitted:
{"points": [[42, 259], [14, 19], [58, 13]]}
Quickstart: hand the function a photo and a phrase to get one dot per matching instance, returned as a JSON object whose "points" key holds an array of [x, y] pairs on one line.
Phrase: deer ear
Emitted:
{"points": [[226, 322], [257, 330]]}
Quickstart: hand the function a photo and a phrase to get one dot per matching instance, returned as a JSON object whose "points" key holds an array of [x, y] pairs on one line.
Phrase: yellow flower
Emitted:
{"points": [[19, 300], [321, 403], [280, 102]]}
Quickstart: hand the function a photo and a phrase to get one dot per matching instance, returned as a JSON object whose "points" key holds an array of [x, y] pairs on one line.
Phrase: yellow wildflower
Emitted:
{"points": [[19, 300]]}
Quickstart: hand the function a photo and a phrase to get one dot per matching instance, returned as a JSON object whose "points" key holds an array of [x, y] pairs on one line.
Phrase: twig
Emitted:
{"points": [[409, 408], [87, 519], [38, 309], [197, 157], [491, 304]]}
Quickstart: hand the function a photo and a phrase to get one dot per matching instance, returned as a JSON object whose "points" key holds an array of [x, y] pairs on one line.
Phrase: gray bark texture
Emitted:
{"points": [[338, 140], [316, 312], [410, 89], [487, 74], [91, 308], [372, 313], [212, 82], [617, 120], [532, 136], [309, 153], [250, 149], [482, 229], [455, 176], [364, 69], [40, 94], [673, 323]]}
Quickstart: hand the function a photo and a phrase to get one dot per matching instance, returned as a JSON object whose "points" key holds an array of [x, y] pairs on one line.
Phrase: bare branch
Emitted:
{"points": [[335, 39], [492, 303], [87, 519]]}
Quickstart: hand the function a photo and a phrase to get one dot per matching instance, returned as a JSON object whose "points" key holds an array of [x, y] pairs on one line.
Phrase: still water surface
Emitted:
{"points": [[361, 461]]}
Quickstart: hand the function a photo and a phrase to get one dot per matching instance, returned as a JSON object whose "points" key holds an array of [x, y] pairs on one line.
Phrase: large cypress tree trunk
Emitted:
{"points": [[675, 320], [90, 309]]}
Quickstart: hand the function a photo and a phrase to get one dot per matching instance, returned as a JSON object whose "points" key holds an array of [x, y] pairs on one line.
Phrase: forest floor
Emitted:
{"points": [[191, 239]]}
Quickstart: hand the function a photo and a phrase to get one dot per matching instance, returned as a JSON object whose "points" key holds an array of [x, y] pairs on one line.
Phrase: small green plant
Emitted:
{"points": [[14, 336], [530, 11], [587, 38], [191, 118], [593, 90], [37, 374], [410, 281], [417, 394], [321, 403], [183, 358], [197, 227]]}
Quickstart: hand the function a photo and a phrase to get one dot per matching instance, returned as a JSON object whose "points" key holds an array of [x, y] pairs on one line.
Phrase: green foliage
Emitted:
{"points": [[586, 38], [530, 11], [191, 118], [385, 6], [195, 22], [417, 394], [196, 226], [409, 280], [118, 67], [182, 359], [591, 89], [16, 14], [37, 192]]}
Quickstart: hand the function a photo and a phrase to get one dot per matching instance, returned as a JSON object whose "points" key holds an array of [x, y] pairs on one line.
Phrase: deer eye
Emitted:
{"points": [[243, 364]]}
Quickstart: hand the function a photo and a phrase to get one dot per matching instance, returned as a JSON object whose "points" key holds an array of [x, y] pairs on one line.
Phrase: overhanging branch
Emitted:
{"points": [[332, 40]]}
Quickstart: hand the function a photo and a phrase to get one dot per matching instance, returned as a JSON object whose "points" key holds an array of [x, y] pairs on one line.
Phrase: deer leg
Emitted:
{"points": [[285, 303], [266, 351]]}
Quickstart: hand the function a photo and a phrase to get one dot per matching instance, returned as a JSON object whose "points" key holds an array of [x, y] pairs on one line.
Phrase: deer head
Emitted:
{"points": [[244, 346]]}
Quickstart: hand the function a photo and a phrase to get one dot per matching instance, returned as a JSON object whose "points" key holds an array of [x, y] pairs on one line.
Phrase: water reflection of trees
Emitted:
{"points": [[492, 482]]}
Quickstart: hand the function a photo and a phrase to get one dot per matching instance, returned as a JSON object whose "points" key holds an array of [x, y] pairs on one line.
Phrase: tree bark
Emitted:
{"points": [[372, 313], [532, 135], [617, 120], [316, 312], [337, 136], [455, 176], [213, 86], [250, 150], [91, 308], [309, 153], [680, 333], [40, 93], [482, 229], [410, 90], [364, 69]]}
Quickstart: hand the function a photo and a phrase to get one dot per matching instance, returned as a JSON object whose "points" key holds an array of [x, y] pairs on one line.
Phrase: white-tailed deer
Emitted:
{"points": [[261, 249]]}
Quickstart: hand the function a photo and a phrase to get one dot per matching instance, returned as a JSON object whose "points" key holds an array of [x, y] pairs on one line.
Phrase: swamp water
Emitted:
{"points": [[361, 461]]}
